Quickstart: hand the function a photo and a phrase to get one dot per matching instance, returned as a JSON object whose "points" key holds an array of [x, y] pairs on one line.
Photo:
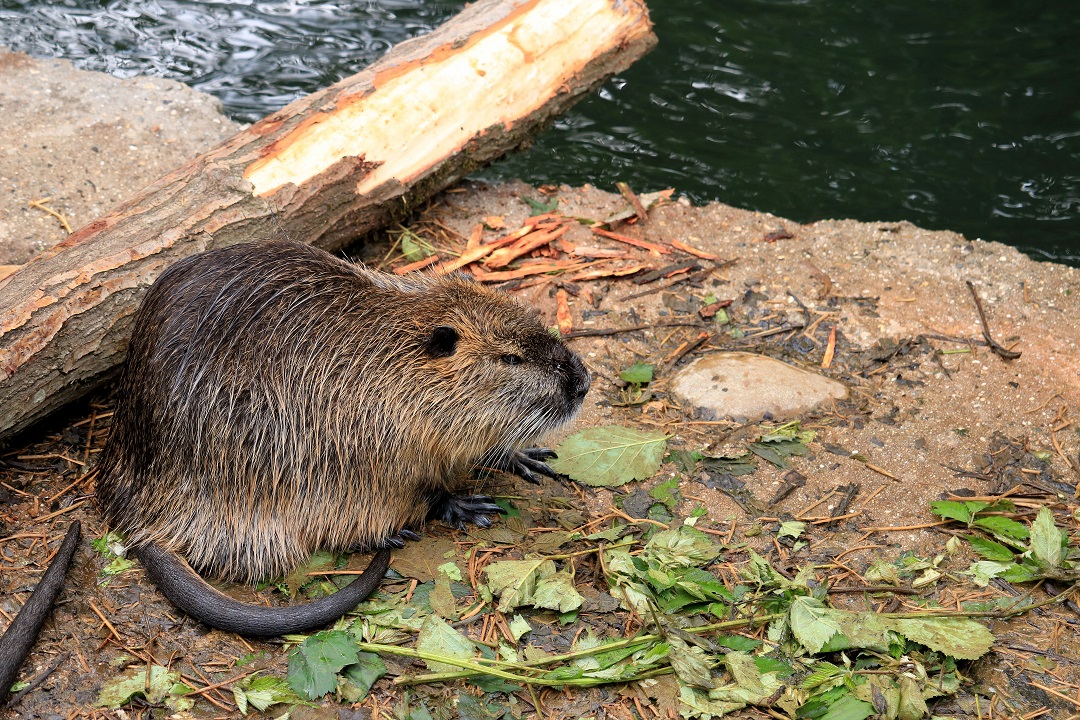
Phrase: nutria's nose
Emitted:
{"points": [[581, 377]]}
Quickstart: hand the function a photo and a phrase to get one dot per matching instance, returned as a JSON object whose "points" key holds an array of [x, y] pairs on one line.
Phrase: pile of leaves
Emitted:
{"points": [[813, 660]]}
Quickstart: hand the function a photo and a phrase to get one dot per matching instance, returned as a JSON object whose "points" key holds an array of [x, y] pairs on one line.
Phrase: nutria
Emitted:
{"points": [[277, 400]]}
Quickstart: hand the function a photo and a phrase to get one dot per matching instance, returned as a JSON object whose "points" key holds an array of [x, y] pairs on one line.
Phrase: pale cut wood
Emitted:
{"points": [[326, 170]]}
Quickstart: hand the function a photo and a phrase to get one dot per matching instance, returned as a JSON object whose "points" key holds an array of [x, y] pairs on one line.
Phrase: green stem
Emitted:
{"points": [[573, 655]]}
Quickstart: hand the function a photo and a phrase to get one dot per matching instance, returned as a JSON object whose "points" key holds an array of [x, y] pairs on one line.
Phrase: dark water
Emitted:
{"points": [[962, 116]]}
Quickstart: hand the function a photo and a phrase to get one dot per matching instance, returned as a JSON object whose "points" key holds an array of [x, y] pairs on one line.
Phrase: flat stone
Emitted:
{"points": [[744, 386]]}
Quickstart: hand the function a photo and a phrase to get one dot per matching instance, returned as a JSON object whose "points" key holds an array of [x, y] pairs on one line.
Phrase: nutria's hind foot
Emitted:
{"points": [[456, 510], [526, 463]]}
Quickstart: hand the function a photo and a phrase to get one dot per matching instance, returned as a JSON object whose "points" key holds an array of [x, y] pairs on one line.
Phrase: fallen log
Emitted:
{"points": [[326, 169]]}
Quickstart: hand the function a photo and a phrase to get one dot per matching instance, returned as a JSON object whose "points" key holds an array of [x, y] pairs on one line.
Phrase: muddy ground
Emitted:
{"points": [[931, 410]]}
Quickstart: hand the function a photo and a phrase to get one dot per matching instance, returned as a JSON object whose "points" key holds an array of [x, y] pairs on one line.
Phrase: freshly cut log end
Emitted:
{"points": [[327, 169]]}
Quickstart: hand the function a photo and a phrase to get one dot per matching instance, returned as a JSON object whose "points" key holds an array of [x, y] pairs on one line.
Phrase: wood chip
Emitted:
{"points": [[639, 209], [541, 236], [597, 252], [471, 255], [562, 312], [414, 266], [680, 245], [597, 273], [652, 247], [826, 361], [531, 269]]}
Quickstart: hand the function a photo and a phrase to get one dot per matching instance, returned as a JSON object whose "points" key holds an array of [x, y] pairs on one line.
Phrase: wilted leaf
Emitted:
{"points": [[610, 456], [811, 623], [777, 451], [961, 638], [731, 464], [134, 681], [556, 592], [696, 704], [441, 599], [690, 663], [1047, 541], [514, 581], [262, 691], [299, 577], [519, 626], [357, 679], [315, 663], [437, 637], [681, 546], [685, 460]]}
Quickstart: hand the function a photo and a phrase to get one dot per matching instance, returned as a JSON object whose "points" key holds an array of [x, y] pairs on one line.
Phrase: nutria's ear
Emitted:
{"points": [[443, 342]]}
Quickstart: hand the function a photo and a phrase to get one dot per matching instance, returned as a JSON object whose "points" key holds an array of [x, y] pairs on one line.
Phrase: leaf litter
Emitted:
{"points": [[674, 606]]}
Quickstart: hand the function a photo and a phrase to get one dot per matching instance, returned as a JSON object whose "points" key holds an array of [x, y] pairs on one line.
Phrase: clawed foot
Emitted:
{"points": [[527, 463], [398, 541], [456, 510]]}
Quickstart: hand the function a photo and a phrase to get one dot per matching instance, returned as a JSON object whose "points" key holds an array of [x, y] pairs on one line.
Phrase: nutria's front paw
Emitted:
{"points": [[526, 463], [456, 510], [398, 541]]}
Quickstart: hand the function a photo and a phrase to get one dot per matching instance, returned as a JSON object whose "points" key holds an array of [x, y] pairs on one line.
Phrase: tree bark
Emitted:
{"points": [[326, 170]]}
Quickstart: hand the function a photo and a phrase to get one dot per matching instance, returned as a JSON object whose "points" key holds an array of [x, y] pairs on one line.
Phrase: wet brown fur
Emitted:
{"points": [[278, 400]]}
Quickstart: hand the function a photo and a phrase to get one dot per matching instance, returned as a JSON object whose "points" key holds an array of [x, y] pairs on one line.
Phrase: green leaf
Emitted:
{"points": [[134, 681], [299, 577], [414, 248], [1019, 574], [737, 642], [609, 456], [1047, 541], [315, 663], [437, 637], [356, 680], [640, 374], [1003, 527], [991, 550], [537, 207], [848, 708], [667, 492], [951, 510], [117, 566]]}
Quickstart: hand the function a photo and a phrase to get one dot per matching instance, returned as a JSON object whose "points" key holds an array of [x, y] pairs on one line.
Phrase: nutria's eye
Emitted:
{"points": [[511, 359], [443, 342]]}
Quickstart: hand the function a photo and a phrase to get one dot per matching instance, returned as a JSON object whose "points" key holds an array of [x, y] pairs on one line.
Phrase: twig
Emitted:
{"points": [[1003, 352], [631, 198], [42, 676], [603, 332], [40, 205]]}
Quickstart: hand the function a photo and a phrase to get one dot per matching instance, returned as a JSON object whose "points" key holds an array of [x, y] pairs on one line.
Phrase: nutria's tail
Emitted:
{"points": [[24, 629], [188, 591]]}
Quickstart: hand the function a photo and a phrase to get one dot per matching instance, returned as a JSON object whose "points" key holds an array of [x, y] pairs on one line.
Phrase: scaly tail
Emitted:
{"points": [[187, 590]]}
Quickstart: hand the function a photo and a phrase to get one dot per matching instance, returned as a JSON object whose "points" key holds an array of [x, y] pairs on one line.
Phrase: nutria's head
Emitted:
{"points": [[500, 377]]}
